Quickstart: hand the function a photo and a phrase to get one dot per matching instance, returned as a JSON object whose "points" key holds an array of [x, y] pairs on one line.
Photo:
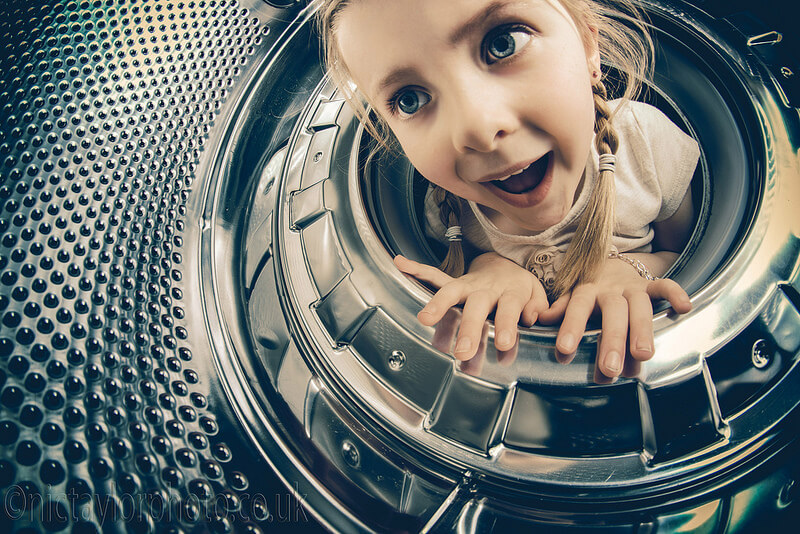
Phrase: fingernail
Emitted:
{"points": [[644, 347], [427, 314], [464, 344], [568, 343], [504, 338], [614, 362]]}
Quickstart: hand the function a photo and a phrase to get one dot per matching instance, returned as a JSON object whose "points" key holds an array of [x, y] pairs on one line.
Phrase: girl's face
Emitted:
{"points": [[478, 90]]}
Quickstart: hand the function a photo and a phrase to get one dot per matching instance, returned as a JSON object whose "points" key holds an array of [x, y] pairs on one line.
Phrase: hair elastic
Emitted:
{"points": [[453, 233], [607, 162]]}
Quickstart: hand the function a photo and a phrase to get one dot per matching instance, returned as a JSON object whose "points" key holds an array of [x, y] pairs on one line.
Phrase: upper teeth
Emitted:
{"points": [[513, 174]]}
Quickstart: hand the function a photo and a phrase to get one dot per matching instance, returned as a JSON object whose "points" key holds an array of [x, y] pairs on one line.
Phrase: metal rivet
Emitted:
{"points": [[761, 354], [787, 72], [397, 360], [317, 157], [350, 453]]}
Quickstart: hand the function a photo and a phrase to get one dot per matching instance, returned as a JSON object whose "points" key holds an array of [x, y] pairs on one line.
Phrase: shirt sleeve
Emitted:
{"points": [[674, 155]]}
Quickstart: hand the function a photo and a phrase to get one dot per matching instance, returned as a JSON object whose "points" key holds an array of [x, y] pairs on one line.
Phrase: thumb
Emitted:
{"points": [[671, 291], [555, 313]]}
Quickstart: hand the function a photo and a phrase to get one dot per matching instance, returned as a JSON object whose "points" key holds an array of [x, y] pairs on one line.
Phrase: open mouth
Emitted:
{"points": [[526, 179]]}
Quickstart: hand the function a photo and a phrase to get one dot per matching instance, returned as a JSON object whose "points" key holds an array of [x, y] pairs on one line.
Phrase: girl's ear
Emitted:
{"points": [[591, 44]]}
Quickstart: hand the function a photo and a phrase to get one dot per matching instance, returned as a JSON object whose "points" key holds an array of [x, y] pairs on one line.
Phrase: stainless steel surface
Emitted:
{"points": [[112, 413], [200, 313]]}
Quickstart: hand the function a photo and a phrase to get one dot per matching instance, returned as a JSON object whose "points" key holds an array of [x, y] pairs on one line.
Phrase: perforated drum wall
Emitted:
{"points": [[201, 327], [110, 413]]}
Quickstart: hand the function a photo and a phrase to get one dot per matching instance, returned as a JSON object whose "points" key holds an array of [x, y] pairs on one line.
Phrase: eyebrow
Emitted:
{"points": [[459, 34], [395, 76], [476, 21]]}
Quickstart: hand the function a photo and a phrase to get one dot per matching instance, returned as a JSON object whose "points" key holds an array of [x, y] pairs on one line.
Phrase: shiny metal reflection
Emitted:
{"points": [[198, 298], [370, 410]]}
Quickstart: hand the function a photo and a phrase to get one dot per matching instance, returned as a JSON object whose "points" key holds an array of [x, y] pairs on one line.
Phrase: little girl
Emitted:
{"points": [[575, 204]]}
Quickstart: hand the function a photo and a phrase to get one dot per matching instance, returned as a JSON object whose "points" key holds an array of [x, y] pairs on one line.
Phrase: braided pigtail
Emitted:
{"points": [[592, 241], [450, 214]]}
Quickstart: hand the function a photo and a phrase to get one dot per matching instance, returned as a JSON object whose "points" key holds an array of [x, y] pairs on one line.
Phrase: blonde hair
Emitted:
{"points": [[624, 45]]}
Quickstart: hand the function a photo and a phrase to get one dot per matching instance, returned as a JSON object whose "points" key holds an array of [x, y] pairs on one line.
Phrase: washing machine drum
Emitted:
{"points": [[200, 309]]}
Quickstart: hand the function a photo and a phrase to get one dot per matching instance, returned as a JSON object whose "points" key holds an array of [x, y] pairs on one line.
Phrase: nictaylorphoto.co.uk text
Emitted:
{"points": [[22, 502]]}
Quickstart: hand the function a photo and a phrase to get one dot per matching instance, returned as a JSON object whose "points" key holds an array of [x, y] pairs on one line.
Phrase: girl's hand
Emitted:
{"points": [[623, 298], [444, 335], [492, 283]]}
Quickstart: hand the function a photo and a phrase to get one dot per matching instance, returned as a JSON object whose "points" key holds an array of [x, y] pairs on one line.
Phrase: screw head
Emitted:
{"points": [[397, 359], [761, 354], [350, 453]]}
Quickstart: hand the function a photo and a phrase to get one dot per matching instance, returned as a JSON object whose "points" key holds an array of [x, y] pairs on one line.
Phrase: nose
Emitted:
{"points": [[480, 117]]}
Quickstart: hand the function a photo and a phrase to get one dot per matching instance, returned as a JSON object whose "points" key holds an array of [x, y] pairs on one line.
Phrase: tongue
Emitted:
{"points": [[526, 180]]}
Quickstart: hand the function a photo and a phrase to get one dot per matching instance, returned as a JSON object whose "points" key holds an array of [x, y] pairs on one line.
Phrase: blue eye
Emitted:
{"points": [[504, 42], [406, 102]]}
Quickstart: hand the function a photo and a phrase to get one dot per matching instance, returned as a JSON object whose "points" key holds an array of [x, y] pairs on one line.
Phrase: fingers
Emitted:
{"points": [[555, 312], [451, 294], [536, 304], [530, 312], [445, 330], [474, 366], [482, 292], [579, 308], [508, 356], [426, 273], [632, 368], [611, 352], [626, 311], [670, 290], [506, 320], [448, 295], [477, 308], [640, 310]]}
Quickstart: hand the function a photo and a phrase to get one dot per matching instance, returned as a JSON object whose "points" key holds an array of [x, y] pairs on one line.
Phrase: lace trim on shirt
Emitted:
{"points": [[544, 263]]}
